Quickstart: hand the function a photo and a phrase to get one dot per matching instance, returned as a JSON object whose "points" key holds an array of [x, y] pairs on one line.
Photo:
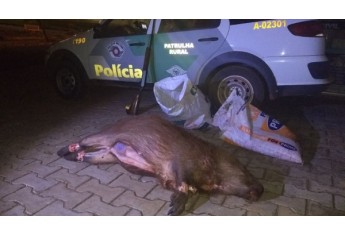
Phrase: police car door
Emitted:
{"points": [[119, 50], [184, 46]]}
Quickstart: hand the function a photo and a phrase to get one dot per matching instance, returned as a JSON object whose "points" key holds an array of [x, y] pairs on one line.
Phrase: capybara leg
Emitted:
{"points": [[178, 202], [63, 151], [130, 157]]}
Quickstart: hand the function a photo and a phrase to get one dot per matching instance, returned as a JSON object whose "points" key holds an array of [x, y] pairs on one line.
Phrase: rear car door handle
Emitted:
{"points": [[137, 44], [208, 39]]}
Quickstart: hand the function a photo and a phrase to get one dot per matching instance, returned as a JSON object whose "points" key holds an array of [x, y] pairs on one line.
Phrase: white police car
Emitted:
{"points": [[262, 58]]}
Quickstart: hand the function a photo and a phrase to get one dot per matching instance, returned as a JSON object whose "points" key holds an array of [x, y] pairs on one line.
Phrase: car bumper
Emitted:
{"points": [[306, 71], [301, 90]]}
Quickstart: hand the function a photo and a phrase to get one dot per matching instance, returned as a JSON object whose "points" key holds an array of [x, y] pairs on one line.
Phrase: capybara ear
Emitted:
{"points": [[255, 191]]}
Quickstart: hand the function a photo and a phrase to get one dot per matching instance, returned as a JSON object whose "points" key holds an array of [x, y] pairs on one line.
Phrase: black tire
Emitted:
{"points": [[69, 79], [247, 82]]}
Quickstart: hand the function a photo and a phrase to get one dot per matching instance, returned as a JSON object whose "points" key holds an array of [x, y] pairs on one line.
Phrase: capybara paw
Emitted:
{"points": [[177, 204], [74, 147], [71, 157], [63, 151]]}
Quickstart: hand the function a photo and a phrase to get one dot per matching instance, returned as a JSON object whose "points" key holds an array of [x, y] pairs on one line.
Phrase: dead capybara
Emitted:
{"points": [[151, 145]]}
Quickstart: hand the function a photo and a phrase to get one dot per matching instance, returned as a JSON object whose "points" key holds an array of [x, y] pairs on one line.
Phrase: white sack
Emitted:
{"points": [[183, 101], [245, 125]]}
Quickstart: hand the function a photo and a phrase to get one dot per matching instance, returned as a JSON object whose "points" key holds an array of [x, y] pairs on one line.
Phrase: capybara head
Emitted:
{"points": [[235, 179]]}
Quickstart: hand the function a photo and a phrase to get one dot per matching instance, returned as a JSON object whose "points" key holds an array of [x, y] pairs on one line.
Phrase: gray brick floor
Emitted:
{"points": [[35, 123]]}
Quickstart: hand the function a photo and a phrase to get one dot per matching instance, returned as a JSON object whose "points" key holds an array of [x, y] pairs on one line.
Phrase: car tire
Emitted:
{"points": [[245, 80], [69, 79]]}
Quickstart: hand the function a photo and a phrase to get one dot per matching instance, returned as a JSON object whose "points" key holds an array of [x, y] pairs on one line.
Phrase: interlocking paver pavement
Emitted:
{"points": [[140, 188], [145, 206], [57, 208], [107, 194], [29, 200], [93, 171], [72, 180], [95, 206], [35, 123], [38, 184], [70, 197], [214, 209]]}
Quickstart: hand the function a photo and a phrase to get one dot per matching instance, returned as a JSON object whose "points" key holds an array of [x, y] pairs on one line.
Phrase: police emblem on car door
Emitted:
{"points": [[119, 51]]}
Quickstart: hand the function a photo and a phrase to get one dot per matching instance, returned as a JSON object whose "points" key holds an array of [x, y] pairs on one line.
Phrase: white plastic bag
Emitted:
{"points": [[245, 125], [179, 99]]}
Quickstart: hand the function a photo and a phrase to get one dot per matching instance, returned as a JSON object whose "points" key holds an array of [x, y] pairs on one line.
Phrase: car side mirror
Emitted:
{"points": [[97, 28]]}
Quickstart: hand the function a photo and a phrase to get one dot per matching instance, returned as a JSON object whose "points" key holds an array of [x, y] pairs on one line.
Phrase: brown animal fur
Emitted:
{"points": [[150, 145]]}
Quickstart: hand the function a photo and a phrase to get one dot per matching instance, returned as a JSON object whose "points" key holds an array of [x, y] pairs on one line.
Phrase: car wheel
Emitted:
{"points": [[246, 81], [69, 80]]}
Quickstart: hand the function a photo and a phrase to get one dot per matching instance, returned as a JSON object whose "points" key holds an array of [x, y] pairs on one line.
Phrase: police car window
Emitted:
{"points": [[187, 24], [116, 28]]}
